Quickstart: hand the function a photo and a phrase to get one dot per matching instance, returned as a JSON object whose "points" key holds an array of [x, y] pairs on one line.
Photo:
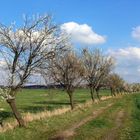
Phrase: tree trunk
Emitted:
{"points": [[92, 92], [17, 115], [97, 93], [112, 92], [1, 123], [71, 100]]}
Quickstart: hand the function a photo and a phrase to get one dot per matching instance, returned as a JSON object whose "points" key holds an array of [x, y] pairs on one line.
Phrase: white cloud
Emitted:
{"points": [[2, 64], [128, 63], [136, 33], [82, 33]]}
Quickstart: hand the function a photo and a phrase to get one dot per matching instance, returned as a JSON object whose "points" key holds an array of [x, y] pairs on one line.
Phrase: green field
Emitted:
{"points": [[36, 100], [115, 118]]}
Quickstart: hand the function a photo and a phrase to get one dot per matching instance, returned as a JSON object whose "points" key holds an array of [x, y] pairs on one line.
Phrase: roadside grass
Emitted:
{"points": [[131, 130], [97, 128], [48, 127]]}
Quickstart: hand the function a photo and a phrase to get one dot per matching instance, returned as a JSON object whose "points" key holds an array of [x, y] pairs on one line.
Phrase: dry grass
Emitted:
{"points": [[45, 114], [28, 117], [1, 109]]}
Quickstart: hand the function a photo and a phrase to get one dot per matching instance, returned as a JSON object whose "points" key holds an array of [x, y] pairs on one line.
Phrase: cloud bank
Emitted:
{"points": [[127, 63], [136, 33], [82, 33]]}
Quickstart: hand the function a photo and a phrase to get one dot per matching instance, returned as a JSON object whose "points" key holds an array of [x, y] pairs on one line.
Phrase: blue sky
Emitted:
{"points": [[114, 19]]}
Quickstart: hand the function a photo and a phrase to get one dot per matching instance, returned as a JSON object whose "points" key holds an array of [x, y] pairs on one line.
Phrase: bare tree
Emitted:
{"points": [[131, 88], [23, 51], [66, 69], [116, 84], [97, 67]]}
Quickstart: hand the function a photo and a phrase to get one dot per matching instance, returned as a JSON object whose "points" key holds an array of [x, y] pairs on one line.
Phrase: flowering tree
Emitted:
{"points": [[23, 51], [66, 69], [97, 67]]}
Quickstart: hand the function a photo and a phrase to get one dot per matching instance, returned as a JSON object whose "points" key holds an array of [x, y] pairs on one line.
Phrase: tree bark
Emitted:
{"points": [[111, 91], [1, 123], [92, 92], [71, 100], [97, 93], [16, 113]]}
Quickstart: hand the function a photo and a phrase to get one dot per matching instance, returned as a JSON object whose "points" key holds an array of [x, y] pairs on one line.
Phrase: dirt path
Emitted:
{"points": [[71, 131], [113, 133]]}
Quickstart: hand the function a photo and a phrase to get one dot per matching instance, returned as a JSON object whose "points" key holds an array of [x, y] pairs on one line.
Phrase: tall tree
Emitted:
{"points": [[97, 67], [116, 84], [23, 51], [66, 69]]}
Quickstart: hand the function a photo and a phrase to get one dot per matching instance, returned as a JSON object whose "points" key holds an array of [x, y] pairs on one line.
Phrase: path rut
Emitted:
{"points": [[113, 133], [71, 131]]}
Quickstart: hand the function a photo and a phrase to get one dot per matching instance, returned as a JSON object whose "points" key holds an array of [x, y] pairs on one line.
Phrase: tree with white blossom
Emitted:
{"points": [[23, 51]]}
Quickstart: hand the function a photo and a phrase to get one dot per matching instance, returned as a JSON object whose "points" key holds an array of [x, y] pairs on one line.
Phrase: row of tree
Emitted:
{"points": [[40, 47], [70, 70]]}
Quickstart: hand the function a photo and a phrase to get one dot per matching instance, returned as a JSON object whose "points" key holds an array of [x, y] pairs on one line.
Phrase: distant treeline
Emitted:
{"points": [[43, 86]]}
